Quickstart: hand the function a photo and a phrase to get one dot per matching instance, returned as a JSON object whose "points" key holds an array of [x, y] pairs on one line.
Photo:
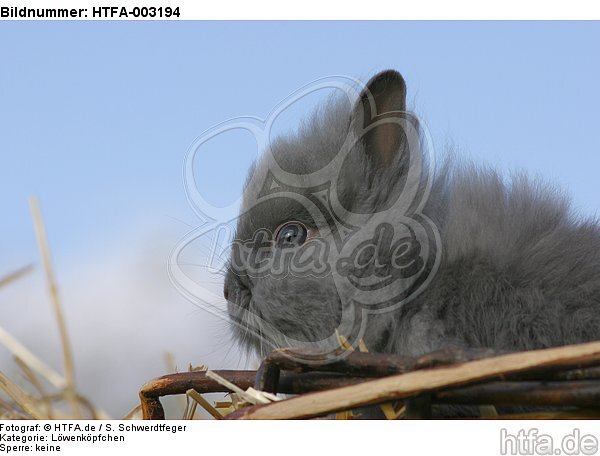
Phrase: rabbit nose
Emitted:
{"points": [[225, 292]]}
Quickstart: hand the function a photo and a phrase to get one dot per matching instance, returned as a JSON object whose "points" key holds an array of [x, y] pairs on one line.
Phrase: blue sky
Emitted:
{"points": [[95, 118]]}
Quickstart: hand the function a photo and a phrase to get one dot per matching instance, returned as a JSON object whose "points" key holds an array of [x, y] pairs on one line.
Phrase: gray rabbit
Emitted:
{"points": [[407, 258]]}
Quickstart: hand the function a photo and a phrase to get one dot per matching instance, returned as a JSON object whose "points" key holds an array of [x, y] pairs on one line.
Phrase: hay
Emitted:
{"points": [[41, 403]]}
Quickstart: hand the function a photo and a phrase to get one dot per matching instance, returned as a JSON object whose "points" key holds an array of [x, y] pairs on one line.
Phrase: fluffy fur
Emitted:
{"points": [[519, 270]]}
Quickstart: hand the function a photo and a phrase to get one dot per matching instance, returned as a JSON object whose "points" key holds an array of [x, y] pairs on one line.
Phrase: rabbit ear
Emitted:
{"points": [[383, 97]]}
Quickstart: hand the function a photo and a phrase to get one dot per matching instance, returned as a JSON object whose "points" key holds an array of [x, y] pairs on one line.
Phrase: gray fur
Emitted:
{"points": [[519, 269]]}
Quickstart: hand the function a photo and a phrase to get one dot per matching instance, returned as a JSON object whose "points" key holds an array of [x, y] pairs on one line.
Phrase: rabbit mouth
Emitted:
{"points": [[238, 295], [261, 325], [249, 329], [244, 321]]}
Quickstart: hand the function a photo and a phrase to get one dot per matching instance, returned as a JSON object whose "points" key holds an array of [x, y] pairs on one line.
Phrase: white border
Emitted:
{"points": [[349, 9]]}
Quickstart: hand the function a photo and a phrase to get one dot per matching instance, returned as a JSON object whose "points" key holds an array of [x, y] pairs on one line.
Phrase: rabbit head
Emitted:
{"points": [[327, 226]]}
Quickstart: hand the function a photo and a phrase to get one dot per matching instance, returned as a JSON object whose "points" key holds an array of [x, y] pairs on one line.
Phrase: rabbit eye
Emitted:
{"points": [[291, 234]]}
